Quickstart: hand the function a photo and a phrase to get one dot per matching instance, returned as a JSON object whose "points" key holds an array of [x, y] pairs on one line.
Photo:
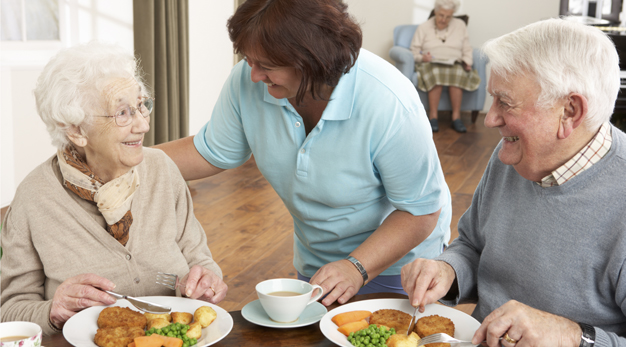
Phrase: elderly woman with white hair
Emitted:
{"points": [[103, 213], [443, 57], [542, 248]]}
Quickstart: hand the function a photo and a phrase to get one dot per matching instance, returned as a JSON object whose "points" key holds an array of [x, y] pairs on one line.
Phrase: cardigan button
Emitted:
{"points": [[128, 257], [136, 279]]}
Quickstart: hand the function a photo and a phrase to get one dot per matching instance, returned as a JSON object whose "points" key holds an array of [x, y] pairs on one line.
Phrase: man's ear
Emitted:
{"points": [[75, 134], [574, 113]]}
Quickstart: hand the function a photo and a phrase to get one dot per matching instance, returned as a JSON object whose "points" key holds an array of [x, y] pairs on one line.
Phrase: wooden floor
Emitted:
{"points": [[250, 231]]}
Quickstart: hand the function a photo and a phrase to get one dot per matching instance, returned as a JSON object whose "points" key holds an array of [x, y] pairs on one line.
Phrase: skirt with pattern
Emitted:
{"points": [[431, 75]]}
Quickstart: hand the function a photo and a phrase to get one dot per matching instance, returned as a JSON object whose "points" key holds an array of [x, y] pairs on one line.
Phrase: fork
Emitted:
{"points": [[168, 280], [442, 338]]}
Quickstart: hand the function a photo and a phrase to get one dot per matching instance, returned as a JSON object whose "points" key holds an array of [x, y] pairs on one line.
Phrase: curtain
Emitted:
{"points": [[161, 34]]}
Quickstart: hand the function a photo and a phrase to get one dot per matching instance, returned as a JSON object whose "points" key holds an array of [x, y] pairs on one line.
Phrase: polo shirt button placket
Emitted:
{"points": [[298, 124]]}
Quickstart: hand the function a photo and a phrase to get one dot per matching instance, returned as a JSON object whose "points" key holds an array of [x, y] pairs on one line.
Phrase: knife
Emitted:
{"points": [[412, 323], [144, 306]]}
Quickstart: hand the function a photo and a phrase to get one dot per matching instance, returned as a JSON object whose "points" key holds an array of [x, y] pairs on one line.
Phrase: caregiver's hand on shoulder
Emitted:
{"points": [[204, 284], [78, 293], [340, 280], [426, 281], [527, 326]]}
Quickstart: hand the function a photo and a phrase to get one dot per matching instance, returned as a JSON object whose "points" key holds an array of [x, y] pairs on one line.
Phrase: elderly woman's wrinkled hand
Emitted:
{"points": [[467, 67], [340, 281], [201, 283], [427, 57], [77, 293], [526, 326], [426, 281]]}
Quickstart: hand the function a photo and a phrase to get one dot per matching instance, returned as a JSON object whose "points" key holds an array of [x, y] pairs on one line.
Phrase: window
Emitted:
{"points": [[32, 20], [610, 8]]}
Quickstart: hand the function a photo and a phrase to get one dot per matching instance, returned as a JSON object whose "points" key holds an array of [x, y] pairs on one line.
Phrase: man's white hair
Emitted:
{"points": [[564, 57], [447, 5], [71, 86]]}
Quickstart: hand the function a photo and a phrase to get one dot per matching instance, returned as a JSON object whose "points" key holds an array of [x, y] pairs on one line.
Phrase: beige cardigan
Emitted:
{"points": [[457, 44], [50, 234]]}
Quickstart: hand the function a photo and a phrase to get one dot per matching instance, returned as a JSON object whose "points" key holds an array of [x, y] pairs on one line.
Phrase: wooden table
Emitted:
{"points": [[245, 333]]}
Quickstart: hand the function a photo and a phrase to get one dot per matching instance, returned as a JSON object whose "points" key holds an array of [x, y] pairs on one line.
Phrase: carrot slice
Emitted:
{"points": [[350, 316], [352, 327], [153, 340]]}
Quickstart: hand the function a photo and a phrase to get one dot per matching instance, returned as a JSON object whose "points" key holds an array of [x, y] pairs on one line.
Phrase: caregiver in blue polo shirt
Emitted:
{"points": [[342, 137]]}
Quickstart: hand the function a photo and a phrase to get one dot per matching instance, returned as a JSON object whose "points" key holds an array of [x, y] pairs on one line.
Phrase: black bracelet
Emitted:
{"points": [[588, 337]]}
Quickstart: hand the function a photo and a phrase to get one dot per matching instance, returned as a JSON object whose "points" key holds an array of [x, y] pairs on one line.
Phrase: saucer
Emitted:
{"points": [[254, 313]]}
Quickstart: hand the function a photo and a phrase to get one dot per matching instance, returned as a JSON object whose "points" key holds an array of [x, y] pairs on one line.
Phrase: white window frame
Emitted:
{"points": [[35, 52]]}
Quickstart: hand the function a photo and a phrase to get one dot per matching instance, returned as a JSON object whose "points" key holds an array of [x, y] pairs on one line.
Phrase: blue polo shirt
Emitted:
{"points": [[371, 153]]}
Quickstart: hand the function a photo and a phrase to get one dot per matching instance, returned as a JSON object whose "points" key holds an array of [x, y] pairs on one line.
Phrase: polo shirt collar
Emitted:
{"points": [[341, 100]]}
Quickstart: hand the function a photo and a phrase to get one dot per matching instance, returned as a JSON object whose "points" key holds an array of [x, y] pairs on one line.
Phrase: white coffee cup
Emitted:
{"points": [[30, 334], [286, 309]]}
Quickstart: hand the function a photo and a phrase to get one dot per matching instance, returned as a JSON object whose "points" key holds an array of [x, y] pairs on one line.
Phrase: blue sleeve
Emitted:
{"points": [[222, 141]]}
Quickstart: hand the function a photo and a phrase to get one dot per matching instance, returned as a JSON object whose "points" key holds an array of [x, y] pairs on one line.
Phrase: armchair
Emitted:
{"points": [[401, 54]]}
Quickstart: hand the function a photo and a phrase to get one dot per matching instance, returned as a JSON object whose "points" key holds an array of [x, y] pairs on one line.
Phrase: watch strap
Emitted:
{"points": [[359, 267], [588, 337]]}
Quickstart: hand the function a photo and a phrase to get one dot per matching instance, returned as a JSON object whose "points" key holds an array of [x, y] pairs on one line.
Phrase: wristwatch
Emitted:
{"points": [[588, 337], [359, 267]]}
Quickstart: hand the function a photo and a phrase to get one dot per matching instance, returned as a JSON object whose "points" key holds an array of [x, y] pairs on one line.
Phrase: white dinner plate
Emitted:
{"points": [[254, 313], [464, 325], [80, 330]]}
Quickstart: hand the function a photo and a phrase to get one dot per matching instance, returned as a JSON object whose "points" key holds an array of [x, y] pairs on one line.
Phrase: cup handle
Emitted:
{"points": [[318, 295]]}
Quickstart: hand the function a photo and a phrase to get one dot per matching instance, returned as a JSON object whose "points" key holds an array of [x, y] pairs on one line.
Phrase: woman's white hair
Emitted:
{"points": [[447, 5], [564, 57], [70, 86]]}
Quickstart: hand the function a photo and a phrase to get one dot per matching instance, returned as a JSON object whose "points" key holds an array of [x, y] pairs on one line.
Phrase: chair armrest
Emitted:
{"points": [[404, 60], [480, 64]]}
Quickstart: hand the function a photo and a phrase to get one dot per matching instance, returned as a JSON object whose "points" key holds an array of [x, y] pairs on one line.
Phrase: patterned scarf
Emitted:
{"points": [[113, 198]]}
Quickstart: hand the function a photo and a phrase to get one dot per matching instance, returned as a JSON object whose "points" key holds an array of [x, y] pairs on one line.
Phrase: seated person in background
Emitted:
{"points": [[103, 213], [542, 248], [443, 38]]}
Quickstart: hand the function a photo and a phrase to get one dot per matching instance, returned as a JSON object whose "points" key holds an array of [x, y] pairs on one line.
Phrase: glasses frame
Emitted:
{"points": [[133, 110]]}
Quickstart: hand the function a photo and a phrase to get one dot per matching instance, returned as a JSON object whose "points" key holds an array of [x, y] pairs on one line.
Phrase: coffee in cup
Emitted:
{"points": [[284, 299], [23, 334]]}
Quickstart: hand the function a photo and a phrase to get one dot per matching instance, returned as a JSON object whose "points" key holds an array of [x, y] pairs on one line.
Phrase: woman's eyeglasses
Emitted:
{"points": [[124, 116]]}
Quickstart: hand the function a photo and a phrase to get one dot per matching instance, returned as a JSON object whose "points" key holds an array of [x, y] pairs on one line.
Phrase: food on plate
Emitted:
{"points": [[151, 316], [395, 319], [432, 325], [117, 336], [175, 330], [205, 315], [352, 327], [157, 323], [112, 317], [182, 317], [401, 340], [156, 341], [122, 326], [350, 316], [373, 335], [195, 331]]}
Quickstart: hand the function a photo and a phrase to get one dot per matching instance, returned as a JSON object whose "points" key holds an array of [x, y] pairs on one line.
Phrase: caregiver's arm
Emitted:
{"points": [[189, 161], [399, 233]]}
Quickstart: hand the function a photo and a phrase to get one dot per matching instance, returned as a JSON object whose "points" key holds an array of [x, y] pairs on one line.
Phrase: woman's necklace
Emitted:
{"points": [[442, 37]]}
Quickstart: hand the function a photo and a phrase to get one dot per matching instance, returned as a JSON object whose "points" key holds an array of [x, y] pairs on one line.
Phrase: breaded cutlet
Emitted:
{"points": [[112, 317], [392, 319], [117, 337], [432, 325]]}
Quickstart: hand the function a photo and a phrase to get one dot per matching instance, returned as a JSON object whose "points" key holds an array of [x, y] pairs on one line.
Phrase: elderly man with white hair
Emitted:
{"points": [[542, 248]]}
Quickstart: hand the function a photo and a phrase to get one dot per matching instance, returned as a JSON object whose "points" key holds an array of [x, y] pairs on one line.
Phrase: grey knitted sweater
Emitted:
{"points": [[560, 249]]}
